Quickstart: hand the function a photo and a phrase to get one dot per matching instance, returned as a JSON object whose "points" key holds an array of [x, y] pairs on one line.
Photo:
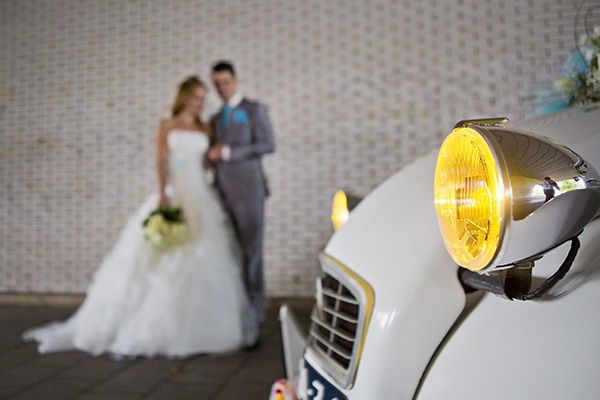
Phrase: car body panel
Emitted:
{"points": [[391, 240], [545, 349], [500, 348]]}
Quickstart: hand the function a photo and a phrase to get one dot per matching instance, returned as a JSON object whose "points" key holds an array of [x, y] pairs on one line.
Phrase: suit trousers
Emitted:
{"points": [[248, 221]]}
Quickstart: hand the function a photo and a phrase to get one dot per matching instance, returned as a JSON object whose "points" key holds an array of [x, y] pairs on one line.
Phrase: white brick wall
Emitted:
{"points": [[356, 89]]}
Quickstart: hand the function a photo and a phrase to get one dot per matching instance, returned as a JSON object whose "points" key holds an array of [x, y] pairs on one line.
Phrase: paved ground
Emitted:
{"points": [[24, 374]]}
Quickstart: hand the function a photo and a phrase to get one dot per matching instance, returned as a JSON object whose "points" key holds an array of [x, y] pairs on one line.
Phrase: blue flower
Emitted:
{"points": [[575, 64], [240, 115]]}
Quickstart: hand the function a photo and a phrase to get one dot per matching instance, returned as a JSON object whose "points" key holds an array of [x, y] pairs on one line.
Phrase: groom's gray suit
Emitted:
{"points": [[243, 187]]}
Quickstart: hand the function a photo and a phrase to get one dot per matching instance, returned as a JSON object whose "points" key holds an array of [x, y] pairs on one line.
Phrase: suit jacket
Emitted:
{"points": [[249, 135]]}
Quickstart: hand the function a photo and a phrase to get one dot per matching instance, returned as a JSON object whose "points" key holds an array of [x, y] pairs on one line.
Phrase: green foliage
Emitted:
{"points": [[171, 214]]}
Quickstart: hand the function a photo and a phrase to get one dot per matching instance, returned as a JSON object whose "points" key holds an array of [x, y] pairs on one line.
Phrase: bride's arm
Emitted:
{"points": [[208, 165], [162, 156]]}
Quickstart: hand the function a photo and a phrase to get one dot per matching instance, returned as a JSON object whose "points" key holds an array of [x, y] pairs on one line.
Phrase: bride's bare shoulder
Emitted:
{"points": [[165, 126]]}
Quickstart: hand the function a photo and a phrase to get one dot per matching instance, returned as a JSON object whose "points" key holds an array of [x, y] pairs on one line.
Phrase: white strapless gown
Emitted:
{"points": [[183, 301]]}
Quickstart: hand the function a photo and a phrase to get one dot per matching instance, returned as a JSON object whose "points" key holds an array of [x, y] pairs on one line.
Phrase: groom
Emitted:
{"points": [[242, 133]]}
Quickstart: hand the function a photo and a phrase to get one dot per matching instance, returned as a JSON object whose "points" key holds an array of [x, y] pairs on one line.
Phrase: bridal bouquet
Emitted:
{"points": [[165, 227]]}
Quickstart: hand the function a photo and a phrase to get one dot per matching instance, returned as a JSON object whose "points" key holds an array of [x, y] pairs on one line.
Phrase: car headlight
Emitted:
{"points": [[339, 210], [469, 193], [490, 199], [341, 207]]}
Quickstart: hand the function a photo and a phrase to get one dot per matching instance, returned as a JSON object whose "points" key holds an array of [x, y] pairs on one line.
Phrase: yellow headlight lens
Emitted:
{"points": [[469, 199], [339, 210]]}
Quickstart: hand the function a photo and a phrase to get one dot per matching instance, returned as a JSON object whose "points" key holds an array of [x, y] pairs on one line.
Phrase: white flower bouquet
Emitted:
{"points": [[165, 227]]}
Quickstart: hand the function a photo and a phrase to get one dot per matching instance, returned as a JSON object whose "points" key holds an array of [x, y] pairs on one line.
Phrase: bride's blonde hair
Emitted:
{"points": [[186, 89]]}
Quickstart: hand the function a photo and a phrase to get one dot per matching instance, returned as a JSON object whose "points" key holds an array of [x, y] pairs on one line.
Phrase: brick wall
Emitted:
{"points": [[356, 90]]}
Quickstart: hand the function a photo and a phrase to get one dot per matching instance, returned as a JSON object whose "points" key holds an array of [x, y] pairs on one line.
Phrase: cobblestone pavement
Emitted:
{"points": [[25, 374]]}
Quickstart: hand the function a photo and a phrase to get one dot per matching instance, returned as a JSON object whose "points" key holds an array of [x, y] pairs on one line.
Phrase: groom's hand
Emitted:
{"points": [[214, 153]]}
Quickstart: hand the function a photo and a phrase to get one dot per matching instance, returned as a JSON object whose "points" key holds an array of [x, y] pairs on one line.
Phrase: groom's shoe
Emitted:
{"points": [[253, 346]]}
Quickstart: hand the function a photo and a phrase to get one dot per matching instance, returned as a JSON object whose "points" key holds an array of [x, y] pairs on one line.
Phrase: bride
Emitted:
{"points": [[187, 300]]}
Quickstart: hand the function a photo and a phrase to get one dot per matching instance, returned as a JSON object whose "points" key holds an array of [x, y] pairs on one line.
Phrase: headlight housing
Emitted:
{"points": [[489, 198]]}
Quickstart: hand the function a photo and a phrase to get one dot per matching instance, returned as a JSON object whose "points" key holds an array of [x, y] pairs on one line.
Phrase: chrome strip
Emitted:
{"points": [[332, 346], [340, 315], [333, 294], [333, 329], [497, 121]]}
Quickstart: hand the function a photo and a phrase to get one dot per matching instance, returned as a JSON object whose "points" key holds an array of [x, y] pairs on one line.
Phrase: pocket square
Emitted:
{"points": [[240, 115]]}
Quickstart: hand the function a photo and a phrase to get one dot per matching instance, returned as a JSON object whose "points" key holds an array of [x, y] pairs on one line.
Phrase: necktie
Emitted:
{"points": [[226, 115]]}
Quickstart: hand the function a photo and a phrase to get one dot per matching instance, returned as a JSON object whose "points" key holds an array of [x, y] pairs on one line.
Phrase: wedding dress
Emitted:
{"points": [[186, 300]]}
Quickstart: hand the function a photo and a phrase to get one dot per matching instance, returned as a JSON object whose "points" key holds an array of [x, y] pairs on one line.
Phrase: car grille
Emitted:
{"points": [[335, 322], [338, 320]]}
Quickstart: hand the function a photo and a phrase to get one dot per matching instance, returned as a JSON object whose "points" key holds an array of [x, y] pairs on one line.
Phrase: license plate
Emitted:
{"points": [[319, 388]]}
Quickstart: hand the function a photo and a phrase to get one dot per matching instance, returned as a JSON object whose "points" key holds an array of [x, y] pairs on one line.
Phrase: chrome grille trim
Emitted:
{"points": [[333, 329], [332, 346], [345, 317], [334, 295], [339, 320]]}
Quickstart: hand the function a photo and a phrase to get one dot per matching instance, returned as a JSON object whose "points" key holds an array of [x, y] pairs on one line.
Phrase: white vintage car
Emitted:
{"points": [[397, 318]]}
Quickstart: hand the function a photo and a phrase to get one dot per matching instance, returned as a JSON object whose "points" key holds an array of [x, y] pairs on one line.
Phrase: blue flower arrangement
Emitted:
{"points": [[579, 81]]}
